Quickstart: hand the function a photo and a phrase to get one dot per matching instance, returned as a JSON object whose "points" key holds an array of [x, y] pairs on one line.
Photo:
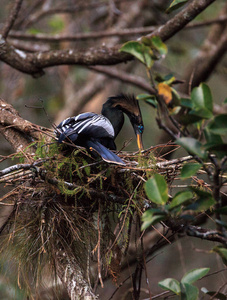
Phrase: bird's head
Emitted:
{"points": [[130, 106], [138, 129]]}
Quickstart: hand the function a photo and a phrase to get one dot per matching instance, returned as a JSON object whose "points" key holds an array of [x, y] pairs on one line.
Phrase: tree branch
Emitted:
{"points": [[71, 275], [206, 234], [180, 20], [125, 77], [35, 63], [9, 117], [12, 18], [67, 10], [17, 131], [18, 59], [212, 51], [42, 37]]}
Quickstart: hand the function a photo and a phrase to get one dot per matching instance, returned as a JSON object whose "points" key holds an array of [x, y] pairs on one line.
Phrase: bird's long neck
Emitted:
{"points": [[115, 116]]}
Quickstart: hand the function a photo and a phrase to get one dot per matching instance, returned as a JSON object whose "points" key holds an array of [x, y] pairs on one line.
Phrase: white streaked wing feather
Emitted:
{"points": [[99, 121], [85, 122]]}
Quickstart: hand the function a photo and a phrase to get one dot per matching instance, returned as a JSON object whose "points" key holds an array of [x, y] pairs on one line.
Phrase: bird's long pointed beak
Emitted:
{"points": [[139, 141]]}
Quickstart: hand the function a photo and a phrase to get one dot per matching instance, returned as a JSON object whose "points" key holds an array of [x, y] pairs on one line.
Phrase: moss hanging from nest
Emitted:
{"points": [[72, 203], [41, 226]]}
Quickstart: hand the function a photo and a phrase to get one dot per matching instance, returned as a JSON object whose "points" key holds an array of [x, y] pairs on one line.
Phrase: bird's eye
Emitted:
{"points": [[141, 128]]}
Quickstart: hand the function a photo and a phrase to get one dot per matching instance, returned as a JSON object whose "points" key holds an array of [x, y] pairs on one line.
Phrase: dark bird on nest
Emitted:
{"points": [[98, 131]]}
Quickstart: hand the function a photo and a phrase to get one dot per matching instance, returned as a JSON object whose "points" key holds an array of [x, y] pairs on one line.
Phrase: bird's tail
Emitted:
{"points": [[105, 153]]}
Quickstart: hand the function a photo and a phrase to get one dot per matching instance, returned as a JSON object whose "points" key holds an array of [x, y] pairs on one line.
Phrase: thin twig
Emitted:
{"points": [[72, 9], [104, 33], [12, 18], [123, 76]]}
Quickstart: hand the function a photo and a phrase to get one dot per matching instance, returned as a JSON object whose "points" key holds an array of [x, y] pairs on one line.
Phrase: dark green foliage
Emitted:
{"points": [[175, 4], [185, 289]]}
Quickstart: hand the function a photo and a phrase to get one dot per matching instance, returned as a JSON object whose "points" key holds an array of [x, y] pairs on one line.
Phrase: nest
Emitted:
{"points": [[68, 204]]}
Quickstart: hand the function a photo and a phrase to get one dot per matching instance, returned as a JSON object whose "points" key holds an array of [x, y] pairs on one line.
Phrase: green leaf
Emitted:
{"points": [[170, 284], [214, 143], [176, 97], [152, 102], [194, 275], [175, 110], [144, 97], [146, 41], [140, 51], [225, 101], [217, 295], [175, 5], [159, 45], [189, 292], [156, 189], [189, 119], [193, 146], [186, 102], [211, 138], [219, 125], [202, 102], [202, 98], [152, 216], [151, 221], [189, 170], [222, 252], [205, 200], [169, 79], [203, 113], [200, 193], [150, 99], [180, 198], [201, 204]]}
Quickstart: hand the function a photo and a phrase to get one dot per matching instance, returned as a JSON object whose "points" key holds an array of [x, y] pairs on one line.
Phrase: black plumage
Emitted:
{"points": [[98, 131]]}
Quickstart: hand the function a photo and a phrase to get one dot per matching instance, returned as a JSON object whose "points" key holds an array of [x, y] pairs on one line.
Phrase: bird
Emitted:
{"points": [[98, 131]]}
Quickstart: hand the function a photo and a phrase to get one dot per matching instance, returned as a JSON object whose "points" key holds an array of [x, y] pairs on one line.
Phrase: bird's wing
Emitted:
{"points": [[105, 153], [97, 127], [73, 120], [70, 126], [86, 124]]}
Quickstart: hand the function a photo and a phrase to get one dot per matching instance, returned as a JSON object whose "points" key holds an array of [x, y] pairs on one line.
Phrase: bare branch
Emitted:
{"points": [[19, 167], [12, 18], [180, 20], [72, 276], [80, 36], [95, 83], [35, 63], [125, 77], [206, 234], [18, 59], [42, 37], [17, 131], [17, 139], [9, 117], [28, 46], [212, 51], [67, 10]]}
